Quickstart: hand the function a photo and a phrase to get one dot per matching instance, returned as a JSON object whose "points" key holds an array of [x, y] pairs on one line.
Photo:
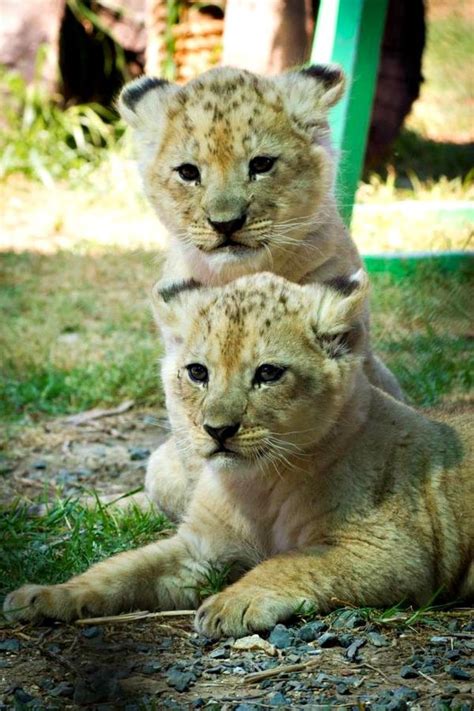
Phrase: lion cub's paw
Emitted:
{"points": [[59, 602], [235, 612]]}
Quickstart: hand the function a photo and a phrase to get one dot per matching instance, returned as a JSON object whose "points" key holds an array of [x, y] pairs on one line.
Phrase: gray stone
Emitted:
{"points": [[311, 631], [91, 632], [151, 667], [39, 464], [278, 699], [408, 672], [458, 673], [138, 454], [180, 680], [281, 637], [378, 640], [64, 688], [10, 645], [352, 652], [328, 639]]}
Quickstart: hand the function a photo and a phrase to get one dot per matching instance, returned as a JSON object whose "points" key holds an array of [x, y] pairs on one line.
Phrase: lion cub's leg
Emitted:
{"points": [[321, 579], [168, 483], [380, 376], [162, 575]]}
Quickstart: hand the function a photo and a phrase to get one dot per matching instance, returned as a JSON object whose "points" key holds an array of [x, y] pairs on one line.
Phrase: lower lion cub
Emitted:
{"points": [[319, 485]]}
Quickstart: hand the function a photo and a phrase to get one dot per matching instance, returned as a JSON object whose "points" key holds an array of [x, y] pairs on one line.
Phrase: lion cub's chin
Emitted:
{"points": [[236, 261], [229, 463]]}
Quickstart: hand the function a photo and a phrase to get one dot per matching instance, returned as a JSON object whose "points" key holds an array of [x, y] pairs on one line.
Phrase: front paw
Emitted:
{"points": [[59, 602], [236, 612]]}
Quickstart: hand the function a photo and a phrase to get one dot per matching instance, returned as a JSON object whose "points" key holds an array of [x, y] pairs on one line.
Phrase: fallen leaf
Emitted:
{"points": [[253, 642]]}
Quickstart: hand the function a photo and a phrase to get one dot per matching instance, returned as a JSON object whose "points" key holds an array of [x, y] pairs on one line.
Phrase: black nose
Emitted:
{"points": [[220, 434], [228, 228]]}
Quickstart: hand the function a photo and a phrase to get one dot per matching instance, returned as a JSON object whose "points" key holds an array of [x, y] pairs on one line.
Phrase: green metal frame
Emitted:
{"points": [[349, 32]]}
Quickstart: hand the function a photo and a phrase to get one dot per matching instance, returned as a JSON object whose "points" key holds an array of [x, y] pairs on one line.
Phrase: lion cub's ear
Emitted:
{"points": [[169, 308], [338, 315], [141, 101], [310, 92]]}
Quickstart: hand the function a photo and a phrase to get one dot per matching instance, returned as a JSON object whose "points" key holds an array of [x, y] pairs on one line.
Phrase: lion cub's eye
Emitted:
{"points": [[268, 373], [188, 172], [198, 373], [261, 164]]}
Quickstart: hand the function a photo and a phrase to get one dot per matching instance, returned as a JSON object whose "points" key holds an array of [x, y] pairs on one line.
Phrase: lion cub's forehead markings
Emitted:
{"points": [[223, 112]]}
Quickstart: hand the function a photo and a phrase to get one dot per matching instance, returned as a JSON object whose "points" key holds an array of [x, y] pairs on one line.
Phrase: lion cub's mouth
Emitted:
{"points": [[223, 451], [231, 246]]}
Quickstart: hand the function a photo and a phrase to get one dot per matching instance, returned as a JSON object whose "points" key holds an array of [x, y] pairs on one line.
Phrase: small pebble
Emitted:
{"points": [[403, 693], [22, 696], [180, 680], [348, 619], [219, 653], [91, 632], [458, 673], [378, 640], [328, 639], [64, 688], [408, 672], [439, 640], [151, 667], [281, 637], [138, 454], [311, 631], [39, 464], [10, 645], [352, 652], [278, 699]]}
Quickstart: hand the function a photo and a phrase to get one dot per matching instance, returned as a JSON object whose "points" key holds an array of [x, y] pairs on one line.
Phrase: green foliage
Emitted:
{"points": [[97, 344], [68, 539], [215, 579], [45, 142]]}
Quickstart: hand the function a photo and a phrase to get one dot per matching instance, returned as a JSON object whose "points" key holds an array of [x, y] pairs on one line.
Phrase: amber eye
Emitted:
{"points": [[261, 164], [198, 373], [268, 373], [189, 172]]}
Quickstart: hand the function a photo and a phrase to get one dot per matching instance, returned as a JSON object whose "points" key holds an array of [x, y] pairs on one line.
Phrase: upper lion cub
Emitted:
{"points": [[240, 171], [321, 486]]}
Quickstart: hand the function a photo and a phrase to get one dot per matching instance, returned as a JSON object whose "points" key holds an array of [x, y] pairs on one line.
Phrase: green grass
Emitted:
{"points": [[77, 333], [67, 540], [45, 142]]}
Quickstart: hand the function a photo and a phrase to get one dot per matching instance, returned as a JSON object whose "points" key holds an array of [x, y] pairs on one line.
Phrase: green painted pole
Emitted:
{"points": [[349, 32]]}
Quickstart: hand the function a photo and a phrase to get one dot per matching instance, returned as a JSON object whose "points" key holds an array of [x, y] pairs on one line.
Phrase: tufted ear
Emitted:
{"points": [[310, 92], [169, 308], [338, 316], [142, 100]]}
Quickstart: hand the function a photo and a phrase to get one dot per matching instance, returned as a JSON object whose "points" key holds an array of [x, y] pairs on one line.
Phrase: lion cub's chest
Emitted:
{"points": [[282, 520]]}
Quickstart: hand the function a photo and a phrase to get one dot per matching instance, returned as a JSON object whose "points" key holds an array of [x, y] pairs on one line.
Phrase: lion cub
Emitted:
{"points": [[240, 170], [318, 484]]}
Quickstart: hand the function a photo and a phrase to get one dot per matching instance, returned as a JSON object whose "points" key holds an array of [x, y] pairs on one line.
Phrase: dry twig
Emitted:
{"points": [[132, 617]]}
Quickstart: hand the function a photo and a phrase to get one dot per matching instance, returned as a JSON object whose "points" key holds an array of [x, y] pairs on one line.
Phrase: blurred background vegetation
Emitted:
{"points": [[79, 247]]}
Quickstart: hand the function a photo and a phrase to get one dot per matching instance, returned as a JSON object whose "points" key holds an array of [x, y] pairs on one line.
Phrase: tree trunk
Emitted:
{"points": [[267, 36]]}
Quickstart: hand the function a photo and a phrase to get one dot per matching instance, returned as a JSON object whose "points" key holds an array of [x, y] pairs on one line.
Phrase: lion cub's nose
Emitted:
{"points": [[220, 434], [228, 228]]}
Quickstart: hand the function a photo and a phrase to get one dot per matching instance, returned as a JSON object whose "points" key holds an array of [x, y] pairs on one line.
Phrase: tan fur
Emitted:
{"points": [[335, 493], [219, 122]]}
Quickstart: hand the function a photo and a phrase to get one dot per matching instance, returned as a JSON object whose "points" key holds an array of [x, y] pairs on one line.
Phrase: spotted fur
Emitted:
{"points": [[328, 491]]}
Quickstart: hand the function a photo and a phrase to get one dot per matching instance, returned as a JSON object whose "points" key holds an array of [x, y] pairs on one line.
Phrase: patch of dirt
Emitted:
{"points": [[107, 454], [148, 664]]}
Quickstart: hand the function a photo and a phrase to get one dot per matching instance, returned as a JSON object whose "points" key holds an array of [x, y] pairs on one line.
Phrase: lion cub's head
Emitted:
{"points": [[237, 166], [259, 370]]}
